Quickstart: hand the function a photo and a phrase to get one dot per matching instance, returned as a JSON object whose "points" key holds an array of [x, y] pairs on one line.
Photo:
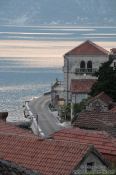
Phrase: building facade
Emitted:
{"points": [[80, 89], [81, 63], [57, 94]]}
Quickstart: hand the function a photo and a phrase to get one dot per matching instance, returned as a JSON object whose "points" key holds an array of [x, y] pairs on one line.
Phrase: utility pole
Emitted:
{"points": [[71, 107], [71, 110]]}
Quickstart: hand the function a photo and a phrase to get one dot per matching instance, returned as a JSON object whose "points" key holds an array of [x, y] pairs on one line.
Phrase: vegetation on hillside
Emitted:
{"points": [[106, 80]]}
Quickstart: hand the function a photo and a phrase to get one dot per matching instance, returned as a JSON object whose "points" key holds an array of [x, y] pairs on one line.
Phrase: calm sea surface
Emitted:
{"points": [[31, 58]]}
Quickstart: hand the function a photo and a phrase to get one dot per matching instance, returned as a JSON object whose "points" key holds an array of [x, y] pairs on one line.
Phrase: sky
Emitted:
{"points": [[35, 12]]}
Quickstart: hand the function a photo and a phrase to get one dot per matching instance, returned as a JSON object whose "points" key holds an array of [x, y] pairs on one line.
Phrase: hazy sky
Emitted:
{"points": [[25, 12]]}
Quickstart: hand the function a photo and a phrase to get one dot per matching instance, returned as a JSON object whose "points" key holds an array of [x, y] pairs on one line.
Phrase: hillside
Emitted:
{"points": [[35, 12]]}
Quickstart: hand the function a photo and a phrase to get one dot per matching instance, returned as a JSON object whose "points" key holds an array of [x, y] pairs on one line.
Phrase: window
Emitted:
{"points": [[82, 66], [76, 70], [90, 166], [89, 66]]}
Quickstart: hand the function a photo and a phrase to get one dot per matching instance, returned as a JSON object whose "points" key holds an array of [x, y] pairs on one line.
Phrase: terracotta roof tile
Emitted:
{"points": [[93, 120], [10, 168], [100, 139], [103, 97], [25, 149], [88, 48], [81, 85], [49, 157], [9, 128], [104, 121]]}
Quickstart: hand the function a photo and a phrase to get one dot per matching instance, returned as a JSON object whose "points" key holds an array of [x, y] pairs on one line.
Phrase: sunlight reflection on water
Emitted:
{"points": [[31, 58]]}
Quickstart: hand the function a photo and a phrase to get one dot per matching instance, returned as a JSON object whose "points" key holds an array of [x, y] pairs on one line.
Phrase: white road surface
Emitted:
{"points": [[47, 122]]}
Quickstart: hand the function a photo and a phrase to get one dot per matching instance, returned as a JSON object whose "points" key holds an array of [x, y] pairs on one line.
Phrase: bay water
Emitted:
{"points": [[31, 58]]}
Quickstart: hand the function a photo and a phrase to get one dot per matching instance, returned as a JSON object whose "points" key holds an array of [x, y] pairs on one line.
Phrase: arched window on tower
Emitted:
{"points": [[89, 66], [82, 66]]}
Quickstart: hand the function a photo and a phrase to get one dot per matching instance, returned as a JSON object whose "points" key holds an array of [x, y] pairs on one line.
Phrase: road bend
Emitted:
{"points": [[45, 118]]}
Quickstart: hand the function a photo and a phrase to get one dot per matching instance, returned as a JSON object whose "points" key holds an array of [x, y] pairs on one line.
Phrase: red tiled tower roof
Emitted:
{"points": [[81, 85], [88, 48]]}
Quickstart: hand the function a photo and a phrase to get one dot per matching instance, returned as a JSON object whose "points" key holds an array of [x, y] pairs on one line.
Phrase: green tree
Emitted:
{"points": [[77, 108], [106, 80], [66, 111]]}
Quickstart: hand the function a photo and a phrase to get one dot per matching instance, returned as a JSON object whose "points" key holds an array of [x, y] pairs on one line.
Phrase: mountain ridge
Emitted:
{"points": [[29, 12]]}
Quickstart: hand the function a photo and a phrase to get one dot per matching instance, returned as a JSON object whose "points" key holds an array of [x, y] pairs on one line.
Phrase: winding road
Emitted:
{"points": [[46, 120]]}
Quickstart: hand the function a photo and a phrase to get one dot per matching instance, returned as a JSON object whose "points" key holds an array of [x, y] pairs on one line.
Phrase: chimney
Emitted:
{"points": [[3, 116]]}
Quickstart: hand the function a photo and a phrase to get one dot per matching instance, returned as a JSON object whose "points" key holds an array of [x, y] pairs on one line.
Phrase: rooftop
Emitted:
{"points": [[88, 48], [105, 121], [104, 142], [103, 97], [10, 168], [11, 129], [47, 157], [58, 86], [81, 85]]}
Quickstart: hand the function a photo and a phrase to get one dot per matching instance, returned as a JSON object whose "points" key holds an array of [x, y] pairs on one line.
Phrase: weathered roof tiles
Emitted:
{"points": [[103, 97], [49, 157], [104, 142], [81, 85], [11, 129], [88, 48]]}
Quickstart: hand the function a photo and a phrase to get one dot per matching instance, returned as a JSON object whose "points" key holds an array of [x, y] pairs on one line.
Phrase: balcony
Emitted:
{"points": [[85, 71]]}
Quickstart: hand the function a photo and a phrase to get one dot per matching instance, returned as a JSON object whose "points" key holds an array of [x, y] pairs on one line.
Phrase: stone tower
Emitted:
{"points": [[81, 62]]}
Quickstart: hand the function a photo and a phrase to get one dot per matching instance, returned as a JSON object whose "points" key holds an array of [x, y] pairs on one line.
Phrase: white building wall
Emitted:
{"points": [[98, 165], [73, 62], [77, 98]]}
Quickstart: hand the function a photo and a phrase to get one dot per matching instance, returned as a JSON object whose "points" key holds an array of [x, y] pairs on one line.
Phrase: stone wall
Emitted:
{"points": [[73, 62], [97, 163], [97, 105]]}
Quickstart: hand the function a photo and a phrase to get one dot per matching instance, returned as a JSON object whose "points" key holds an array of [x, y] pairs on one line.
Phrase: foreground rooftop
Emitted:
{"points": [[48, 157], [104, 142]]}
